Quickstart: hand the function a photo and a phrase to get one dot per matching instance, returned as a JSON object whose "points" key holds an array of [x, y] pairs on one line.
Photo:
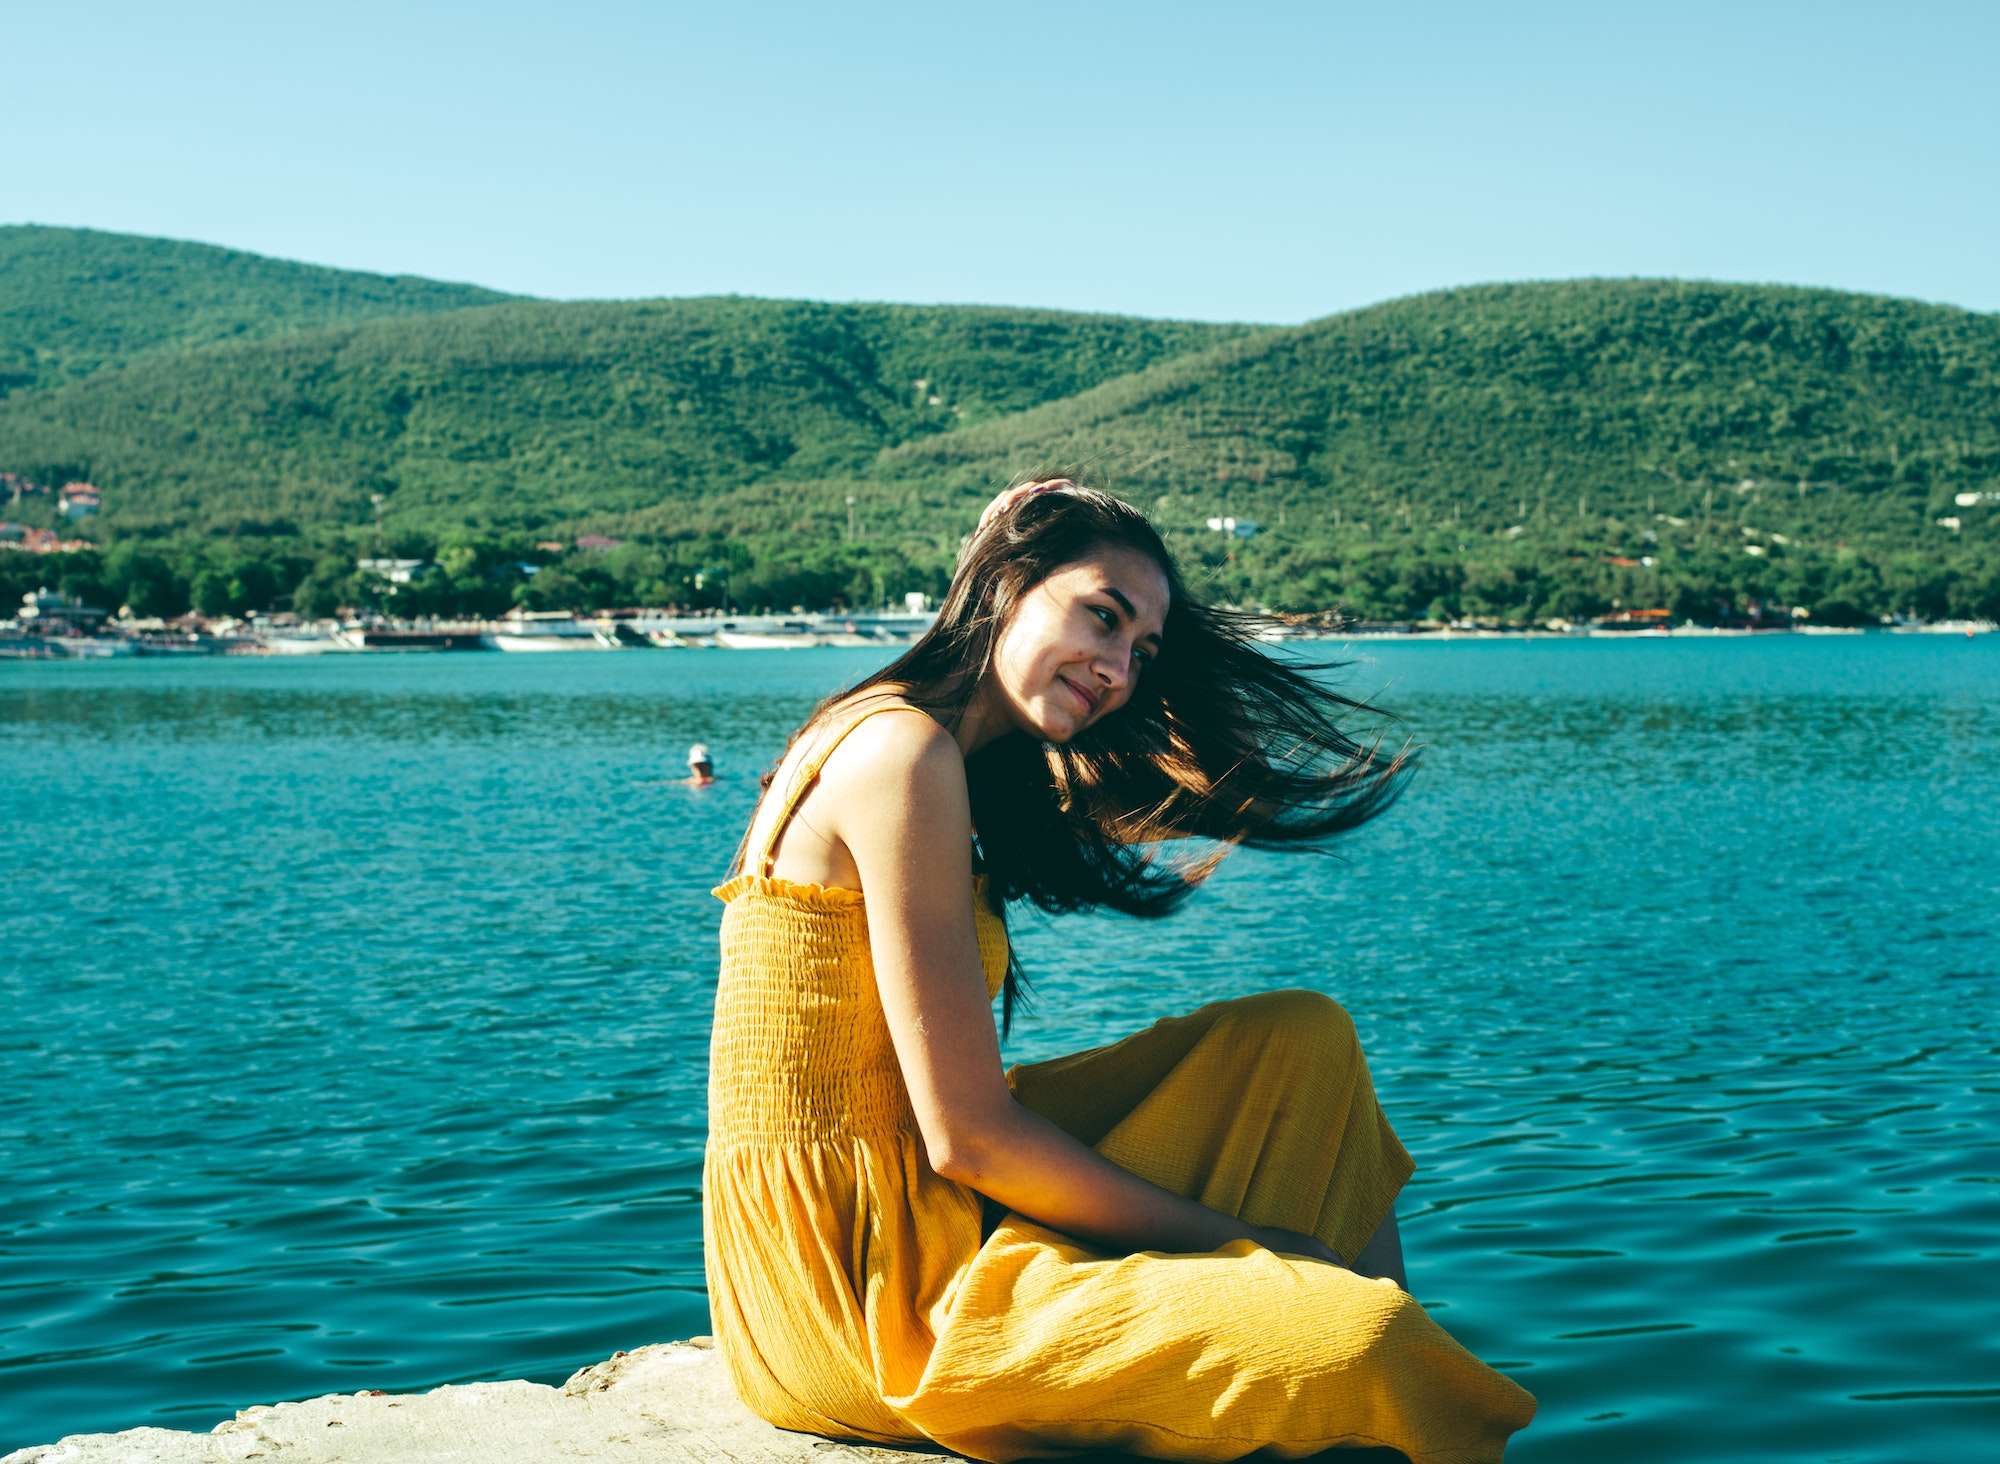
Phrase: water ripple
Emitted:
{"points": [[357, 1024]]}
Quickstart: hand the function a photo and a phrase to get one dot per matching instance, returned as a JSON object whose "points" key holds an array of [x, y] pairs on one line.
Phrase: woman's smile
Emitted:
{"points": [[1074, 645]]}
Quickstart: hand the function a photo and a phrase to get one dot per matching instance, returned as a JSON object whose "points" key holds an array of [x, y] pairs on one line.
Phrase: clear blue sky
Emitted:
{"points": [[1263, 162]]}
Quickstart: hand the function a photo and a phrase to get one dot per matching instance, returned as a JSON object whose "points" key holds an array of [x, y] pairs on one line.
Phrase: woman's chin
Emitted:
{"points": [[1066, 728], [1054, 726]]}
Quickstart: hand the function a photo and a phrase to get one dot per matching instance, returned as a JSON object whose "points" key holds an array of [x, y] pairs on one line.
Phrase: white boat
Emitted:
{"points": [[306, 642], [790, 637], [17, 647], [1277, 632], [91, 647], [549, 630], [891, 629], [184, 643]]}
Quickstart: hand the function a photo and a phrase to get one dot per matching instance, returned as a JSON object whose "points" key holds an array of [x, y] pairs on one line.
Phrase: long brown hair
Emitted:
{"points": [[1221, 739]]}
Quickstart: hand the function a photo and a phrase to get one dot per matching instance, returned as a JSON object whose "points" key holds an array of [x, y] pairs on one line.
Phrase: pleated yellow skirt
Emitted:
{"points": [[1261, 1107]]}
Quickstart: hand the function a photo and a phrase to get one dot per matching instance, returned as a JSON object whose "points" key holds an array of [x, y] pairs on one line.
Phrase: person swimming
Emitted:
{"points": [[701, 770]]}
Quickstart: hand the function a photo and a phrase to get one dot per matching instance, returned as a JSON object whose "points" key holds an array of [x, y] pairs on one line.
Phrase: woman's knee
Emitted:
{"points": [[1311, 1019]]}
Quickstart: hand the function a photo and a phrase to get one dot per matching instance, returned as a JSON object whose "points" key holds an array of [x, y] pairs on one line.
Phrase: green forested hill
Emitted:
{"points": [[1513, 451], [534, 415], [73, 300], [1506, 404], [1605, 417]]}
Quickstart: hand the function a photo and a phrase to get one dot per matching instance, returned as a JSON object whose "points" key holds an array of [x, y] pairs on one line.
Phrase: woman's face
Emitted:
{"points": [[1077, 643]]}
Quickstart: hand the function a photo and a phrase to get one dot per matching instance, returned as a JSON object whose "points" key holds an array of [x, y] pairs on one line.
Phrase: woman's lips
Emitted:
{"points": [[1081, 695]]}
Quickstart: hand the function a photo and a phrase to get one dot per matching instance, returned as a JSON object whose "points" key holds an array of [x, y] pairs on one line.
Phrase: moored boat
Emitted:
{"points": [[176, 643], [548, 630], [791, 635], [416, 640], [305, 642], [17, 647], [92, 647]]}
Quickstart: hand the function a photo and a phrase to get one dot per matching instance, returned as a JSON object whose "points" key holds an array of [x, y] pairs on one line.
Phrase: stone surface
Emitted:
{"points": [[666, 1404], [670, 1403]]}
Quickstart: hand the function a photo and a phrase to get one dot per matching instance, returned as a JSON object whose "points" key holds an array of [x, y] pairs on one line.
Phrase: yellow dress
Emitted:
{"points": [[854, 1293]]}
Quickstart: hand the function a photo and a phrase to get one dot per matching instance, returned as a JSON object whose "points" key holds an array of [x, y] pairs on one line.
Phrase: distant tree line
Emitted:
{"points": [[1524, 581], [465, 576]]}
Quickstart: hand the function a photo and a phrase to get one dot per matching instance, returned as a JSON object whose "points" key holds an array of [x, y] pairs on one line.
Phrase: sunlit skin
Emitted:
{"points": [[1072, 652], [890, 816]]}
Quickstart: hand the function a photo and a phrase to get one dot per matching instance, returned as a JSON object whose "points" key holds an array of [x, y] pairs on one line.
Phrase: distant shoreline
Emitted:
{"points": [[439, 642], [53, 627], [1696, 632]]}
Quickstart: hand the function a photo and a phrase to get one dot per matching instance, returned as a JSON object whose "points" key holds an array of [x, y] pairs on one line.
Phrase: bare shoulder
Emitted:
{"points": [[896, 752], [896, 798], [894, 795]]}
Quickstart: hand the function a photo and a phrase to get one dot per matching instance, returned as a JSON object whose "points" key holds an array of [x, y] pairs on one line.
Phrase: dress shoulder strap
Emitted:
{"points": [[808, 774]]}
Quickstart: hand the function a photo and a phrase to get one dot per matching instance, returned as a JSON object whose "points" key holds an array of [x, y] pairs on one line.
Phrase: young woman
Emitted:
{"points": [[1181, 1244]]}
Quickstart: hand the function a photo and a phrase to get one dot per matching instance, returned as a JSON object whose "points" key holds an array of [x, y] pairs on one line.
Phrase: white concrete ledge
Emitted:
{"points": [[666, 1404], [670, 1403]]}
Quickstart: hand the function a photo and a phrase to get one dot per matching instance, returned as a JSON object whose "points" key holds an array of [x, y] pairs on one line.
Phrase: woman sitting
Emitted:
{"points": [[1181, 1244]]}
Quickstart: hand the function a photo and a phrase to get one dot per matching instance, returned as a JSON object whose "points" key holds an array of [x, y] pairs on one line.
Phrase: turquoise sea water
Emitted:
{"points": [[356, 1018]]}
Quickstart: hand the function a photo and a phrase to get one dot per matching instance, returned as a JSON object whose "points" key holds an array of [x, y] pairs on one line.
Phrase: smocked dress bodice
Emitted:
{"points": [[800, 1051], [833, 1248]]}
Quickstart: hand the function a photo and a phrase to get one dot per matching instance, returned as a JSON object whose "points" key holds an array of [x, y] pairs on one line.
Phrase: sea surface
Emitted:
{"points": [[356, 1009]]}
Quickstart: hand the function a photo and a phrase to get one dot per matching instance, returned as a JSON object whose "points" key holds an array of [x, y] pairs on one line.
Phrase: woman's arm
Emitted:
{"points": [[899, 803]]}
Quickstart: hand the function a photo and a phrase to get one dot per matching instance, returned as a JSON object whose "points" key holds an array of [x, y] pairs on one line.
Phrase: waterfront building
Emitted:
{"points": [[51, 612]]}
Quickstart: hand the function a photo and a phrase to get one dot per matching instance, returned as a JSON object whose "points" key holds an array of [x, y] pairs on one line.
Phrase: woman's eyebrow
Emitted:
{"points": [[1130, 614]]}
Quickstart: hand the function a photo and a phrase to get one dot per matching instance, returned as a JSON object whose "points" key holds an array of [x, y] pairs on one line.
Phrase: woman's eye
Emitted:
{"points": [[1110, 620]]}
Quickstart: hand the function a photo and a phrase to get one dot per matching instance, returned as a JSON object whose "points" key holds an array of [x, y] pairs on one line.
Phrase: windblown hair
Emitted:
{"points": [[1220, 740]]}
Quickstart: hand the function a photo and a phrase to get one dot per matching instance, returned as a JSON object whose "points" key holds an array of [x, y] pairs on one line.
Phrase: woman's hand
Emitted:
{"points": [[1008, 497], [1292, 1243]]}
